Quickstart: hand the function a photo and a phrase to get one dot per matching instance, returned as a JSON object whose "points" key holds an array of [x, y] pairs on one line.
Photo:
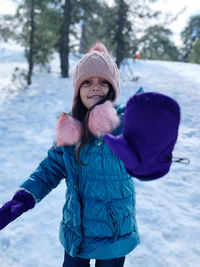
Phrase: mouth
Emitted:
{"points": [[95, 96]]}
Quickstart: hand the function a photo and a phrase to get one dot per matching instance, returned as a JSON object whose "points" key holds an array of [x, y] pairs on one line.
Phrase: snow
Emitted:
{"points": [[168, 210]]}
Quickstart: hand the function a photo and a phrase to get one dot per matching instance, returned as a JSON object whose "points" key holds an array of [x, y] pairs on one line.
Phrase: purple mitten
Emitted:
{"points": [[21, 202], [150, 131]]}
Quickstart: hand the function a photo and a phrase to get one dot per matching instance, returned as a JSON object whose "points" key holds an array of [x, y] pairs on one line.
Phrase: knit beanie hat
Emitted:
{"points": [[96, 63]]}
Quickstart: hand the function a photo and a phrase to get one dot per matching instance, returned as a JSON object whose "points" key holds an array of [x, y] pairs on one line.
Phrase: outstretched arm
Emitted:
{"points": [[150, 131], [46, 177]]}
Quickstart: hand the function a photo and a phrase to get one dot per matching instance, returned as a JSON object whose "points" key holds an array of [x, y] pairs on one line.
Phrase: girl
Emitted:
{"points": [[99, 220]]}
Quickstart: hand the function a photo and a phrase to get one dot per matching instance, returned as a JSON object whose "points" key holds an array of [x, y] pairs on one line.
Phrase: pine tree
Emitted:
{"points": [[156, 44], [7, 27], [195, 55], [64, 38], [122, 25], [128, 16], [31, 41], [38, 23], [92, 27], [115, 25], [191, 36]]}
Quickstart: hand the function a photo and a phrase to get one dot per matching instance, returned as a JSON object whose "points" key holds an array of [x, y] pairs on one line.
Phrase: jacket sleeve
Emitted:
{"points": [[47, 176]]}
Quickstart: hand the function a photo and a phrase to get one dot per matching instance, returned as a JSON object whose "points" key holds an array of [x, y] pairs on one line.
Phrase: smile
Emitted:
{"points": [[95, 96]]}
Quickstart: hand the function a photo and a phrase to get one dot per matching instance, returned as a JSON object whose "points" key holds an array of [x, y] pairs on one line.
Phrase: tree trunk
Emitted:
{"points": [[119, 35], [83, 41], [64, 40], [31, 42]]}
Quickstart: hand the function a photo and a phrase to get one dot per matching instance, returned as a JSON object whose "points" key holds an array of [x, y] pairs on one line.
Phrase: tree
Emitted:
{"points": [[7, 27], [92, 23], [38, 23], [133, 18], [191, 36], [156, 44], [122, 21], [195, 54], [115, 25], [31, 41], [108, 24], [26, 16], [75, 12], [64, 38], [126, 26]]}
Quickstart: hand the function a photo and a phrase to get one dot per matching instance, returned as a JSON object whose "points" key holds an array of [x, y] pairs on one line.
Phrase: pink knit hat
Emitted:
{"points": [[96, 63]]}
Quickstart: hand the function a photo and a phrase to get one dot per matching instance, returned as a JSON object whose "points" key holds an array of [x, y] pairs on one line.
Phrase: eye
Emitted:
{"points": [[86, 82], [105, 83]]}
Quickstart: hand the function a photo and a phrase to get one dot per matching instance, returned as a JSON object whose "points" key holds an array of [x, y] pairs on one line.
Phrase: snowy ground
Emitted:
{"points": [[168, 210]]}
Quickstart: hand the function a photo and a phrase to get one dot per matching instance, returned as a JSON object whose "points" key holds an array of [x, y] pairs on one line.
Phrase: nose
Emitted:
{"points": [[96, 87]]}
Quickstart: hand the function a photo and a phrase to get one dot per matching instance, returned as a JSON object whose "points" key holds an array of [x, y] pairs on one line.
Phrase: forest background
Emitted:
{"points": [[130, 29]]}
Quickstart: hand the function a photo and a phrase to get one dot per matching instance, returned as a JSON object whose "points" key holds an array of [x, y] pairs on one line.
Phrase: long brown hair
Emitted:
{"points": [[81, 113]]}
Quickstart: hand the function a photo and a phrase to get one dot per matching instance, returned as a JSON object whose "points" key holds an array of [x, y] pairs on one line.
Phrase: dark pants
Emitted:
{"points": [[78, 262]]}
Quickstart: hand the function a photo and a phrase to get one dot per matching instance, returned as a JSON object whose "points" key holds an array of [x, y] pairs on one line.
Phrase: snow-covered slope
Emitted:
{"points": [[168, 210]]}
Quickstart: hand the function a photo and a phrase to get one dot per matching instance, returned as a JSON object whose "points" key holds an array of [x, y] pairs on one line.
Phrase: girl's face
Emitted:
{"points": [[93, 90]]}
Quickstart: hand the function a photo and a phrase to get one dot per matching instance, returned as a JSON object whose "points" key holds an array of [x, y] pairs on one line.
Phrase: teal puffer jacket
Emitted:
{"points": [[99, 220]]}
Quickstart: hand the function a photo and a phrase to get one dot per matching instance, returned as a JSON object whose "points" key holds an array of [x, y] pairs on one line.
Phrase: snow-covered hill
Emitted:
{"points": [[168, 210]]}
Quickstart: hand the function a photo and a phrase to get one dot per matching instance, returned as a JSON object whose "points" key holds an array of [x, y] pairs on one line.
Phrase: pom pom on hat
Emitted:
{"points": [[98, 46]]}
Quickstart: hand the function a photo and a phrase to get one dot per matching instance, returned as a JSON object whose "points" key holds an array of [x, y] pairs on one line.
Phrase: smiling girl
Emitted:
{"points": [[97, 149]]}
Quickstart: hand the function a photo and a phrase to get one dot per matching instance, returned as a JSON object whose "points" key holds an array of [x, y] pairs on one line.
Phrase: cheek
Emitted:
{"points": [[84, 99], [106, 90], [83, 93]]}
